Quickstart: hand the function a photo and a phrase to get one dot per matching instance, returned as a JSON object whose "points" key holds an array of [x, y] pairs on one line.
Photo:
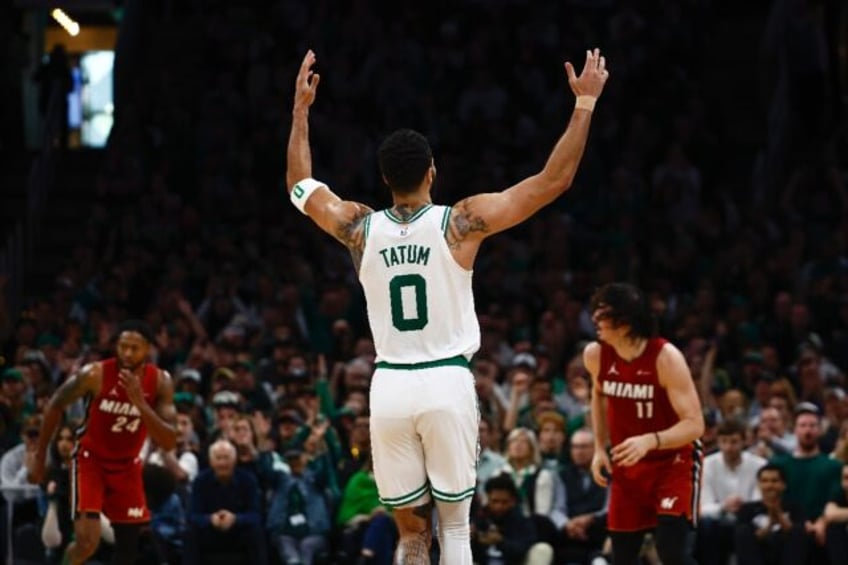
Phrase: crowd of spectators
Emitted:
{"points": [[260, 320]]}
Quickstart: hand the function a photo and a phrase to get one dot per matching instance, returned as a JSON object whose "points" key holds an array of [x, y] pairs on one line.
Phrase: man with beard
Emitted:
{"points": [[127, 398], [811, 476]]}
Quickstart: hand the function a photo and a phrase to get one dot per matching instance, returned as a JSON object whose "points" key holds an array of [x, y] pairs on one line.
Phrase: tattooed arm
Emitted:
{"points": [[342, 219], [86, 381]]}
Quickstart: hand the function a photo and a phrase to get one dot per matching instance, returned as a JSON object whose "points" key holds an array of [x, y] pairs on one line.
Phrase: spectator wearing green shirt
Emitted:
{"points": [[812, 477]]}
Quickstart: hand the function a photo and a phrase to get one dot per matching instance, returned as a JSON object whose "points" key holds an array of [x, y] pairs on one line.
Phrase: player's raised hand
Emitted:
{"points": [[306, 84], [601, 464], [592, 78]]}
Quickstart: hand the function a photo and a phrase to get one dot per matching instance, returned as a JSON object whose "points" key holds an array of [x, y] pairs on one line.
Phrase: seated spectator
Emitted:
{"points": [[552, 440], [15, 408], [58, 526], [573, 400], [836, 518], [253, 392], [777, 438], [730, 480], [501, 533], [299, 515], [541, 494], [224, 512], [291, 430], [167, 516], [769, 531], [369, 532], [358, 447], [490, 462], [250, 458], [226, 405], [586, 502], [812, 477], [182, 460], [13, 476]]}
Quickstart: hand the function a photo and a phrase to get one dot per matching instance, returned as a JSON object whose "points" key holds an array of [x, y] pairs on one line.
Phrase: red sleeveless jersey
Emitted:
{"points": [[636, 401], [113, 427]]}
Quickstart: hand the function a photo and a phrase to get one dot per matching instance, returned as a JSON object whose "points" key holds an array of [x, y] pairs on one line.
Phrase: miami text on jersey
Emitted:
{"points": [[628, 390], [117, 407]]}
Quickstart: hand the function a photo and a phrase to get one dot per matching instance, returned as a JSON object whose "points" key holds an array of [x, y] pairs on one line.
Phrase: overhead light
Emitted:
{"points": [[65, 21]]}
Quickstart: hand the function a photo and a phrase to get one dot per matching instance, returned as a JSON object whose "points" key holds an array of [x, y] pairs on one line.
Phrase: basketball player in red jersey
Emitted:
{"points": [[126, 398], [645, 402]]}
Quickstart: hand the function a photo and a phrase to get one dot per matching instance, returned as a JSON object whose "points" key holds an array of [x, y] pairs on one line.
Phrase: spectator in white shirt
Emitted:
{"points": [[730, 479], [182, 460]]}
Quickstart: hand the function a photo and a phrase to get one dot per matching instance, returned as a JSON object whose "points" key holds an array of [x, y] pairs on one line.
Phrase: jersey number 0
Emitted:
{"points": [[408, 321]]}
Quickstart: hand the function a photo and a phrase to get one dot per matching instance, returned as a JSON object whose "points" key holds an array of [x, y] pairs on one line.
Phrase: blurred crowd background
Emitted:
{"points": [[715, 178]]}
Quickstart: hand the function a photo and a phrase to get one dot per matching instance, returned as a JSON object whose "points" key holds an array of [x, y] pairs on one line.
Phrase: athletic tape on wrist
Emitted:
{"points": [[586, 102]]}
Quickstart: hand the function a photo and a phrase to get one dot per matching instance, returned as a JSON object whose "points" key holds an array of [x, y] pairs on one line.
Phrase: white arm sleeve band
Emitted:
{"points": [[302, 191]]}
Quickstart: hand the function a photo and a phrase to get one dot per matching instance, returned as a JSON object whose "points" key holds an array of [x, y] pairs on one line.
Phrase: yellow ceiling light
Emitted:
{"points": [[65, 21]]}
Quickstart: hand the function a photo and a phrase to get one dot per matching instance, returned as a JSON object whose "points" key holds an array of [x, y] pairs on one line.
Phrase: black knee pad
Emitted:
{"points": [[674, 539]]}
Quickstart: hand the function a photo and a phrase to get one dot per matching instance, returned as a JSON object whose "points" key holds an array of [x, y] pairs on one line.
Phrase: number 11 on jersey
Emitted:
{"points": [[645, 409]]}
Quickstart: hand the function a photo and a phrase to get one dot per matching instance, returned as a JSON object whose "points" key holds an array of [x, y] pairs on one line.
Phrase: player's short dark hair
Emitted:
{"points": [[627, 306], [136, 326], [502, 482], [730, 427], [772, 467], [404, 158]]}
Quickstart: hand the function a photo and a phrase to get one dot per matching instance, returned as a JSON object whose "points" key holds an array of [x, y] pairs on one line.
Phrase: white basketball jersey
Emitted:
{"points": [[420, 304]]}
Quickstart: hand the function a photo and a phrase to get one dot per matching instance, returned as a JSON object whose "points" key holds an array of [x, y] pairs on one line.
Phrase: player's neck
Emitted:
{"points": [[629, 349], [406, 205]]}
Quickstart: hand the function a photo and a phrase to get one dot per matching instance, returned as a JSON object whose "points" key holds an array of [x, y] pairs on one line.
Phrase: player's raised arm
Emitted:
{"points": [[342, 219], [482, 215], [86, 381]]}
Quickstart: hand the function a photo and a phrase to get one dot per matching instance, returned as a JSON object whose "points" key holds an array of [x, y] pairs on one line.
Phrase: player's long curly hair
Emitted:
{"points": [[404, 158], [626, 305]]}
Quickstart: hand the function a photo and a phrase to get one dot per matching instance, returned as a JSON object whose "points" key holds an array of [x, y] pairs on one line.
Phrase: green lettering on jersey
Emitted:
{"points": [[423, 255], [419, 289], [384, 253], [394, 255]]}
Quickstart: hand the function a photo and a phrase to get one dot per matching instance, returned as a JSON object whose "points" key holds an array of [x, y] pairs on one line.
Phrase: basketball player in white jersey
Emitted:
{"points": [[415, 262]]}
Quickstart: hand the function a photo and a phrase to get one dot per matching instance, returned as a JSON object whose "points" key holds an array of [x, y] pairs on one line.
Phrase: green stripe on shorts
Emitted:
{"points": [[448, 497], [404, 499], [457, 361]]}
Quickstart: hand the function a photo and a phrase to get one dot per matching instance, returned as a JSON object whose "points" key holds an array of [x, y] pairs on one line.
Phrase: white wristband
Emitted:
{"points": [[301, 192], [585, 102]]}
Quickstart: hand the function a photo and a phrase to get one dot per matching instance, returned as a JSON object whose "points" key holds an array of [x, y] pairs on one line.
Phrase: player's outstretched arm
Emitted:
{"points": [[86, 381], [343, 219], [482, 215], [674, 375]]}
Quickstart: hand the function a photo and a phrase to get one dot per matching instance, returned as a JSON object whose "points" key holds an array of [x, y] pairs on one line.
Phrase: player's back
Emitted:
{"points": [[420, 302], [113, 428], [636, 401]]}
